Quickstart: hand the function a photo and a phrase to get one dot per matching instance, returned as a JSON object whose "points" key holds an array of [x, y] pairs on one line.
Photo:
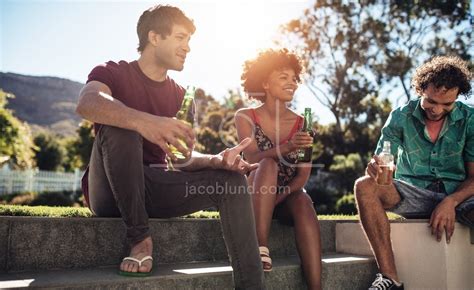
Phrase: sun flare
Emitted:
{"points": [[231, 32]]}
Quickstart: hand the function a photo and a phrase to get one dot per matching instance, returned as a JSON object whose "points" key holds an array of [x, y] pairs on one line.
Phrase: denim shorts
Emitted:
{"points": [[420, 202]]}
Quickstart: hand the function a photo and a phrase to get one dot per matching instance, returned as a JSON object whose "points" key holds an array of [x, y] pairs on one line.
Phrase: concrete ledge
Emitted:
{"points": [[422, 262], [4, 237], [338, 273], [32, 243]]}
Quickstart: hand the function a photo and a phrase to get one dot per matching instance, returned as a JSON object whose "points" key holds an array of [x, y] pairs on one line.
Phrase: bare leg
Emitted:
{"points": [[299, 206], [372, 200], [263, 197]]}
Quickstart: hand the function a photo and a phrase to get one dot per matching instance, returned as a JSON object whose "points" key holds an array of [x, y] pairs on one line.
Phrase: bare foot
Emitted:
{"points": [[138, 251]]}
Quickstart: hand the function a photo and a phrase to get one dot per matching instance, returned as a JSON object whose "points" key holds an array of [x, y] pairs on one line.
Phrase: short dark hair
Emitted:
{"points": [[443, 71], [160, 19], [256, 71]]}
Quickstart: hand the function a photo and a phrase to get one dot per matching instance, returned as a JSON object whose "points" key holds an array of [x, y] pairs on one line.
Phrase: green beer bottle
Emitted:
{"points": [[185, 114], [305, 155]]}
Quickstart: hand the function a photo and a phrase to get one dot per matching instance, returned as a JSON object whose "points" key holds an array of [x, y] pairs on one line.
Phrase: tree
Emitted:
{"points": [[331, 38], [409, 32], [209, 141], [15, 137], [80, 149], [346, 205], [216, 130], [360, 136], [347, 169], [71, 160], [49, 153], [350, 48]]}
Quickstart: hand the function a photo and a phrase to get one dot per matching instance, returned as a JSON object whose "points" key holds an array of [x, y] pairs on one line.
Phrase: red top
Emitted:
{"points": [[296, 127], [133, 88]]}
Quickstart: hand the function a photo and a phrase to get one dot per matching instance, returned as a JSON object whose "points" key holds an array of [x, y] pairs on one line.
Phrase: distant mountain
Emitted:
{"points": [[44, 101]]}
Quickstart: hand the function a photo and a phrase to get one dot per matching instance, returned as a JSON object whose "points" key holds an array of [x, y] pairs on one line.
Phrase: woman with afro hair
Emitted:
{"points": [[277, 185]]}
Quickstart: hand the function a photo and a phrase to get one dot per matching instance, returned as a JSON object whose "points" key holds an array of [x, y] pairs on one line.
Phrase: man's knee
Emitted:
{"points": [[119, 135], [229, 182], [367, 190], [233, 178], [235, 186], [364, 187]]}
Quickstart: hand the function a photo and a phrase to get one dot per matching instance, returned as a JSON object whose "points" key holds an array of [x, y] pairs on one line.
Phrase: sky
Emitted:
{"points": [[68, 38]]}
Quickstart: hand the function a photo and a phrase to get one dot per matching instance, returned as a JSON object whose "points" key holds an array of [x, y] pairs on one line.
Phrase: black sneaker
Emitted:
{"points": [[383, 283]]}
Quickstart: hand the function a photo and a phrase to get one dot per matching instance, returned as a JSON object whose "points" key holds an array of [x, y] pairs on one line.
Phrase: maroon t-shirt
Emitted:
{"points": [[133, 88]]}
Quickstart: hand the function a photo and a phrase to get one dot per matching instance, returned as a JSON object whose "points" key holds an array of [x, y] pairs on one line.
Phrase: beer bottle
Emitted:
{"points": [[386, 165], [305, 155], [185, 114]]}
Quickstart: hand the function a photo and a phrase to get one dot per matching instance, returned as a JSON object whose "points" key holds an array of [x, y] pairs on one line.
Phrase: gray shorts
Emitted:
{"points": [[420, 202]]}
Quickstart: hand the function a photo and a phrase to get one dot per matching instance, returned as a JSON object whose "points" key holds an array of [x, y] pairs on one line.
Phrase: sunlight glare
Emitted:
{"points": [[229, 33], [204, 270], [16, 283]]}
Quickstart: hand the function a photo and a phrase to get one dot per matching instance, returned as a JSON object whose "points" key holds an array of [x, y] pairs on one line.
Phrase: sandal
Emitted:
{"points": [[137, 274], [266, 260]]}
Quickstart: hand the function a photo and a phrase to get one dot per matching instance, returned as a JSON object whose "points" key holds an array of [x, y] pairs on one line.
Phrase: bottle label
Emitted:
{"points": [[386, 176]]}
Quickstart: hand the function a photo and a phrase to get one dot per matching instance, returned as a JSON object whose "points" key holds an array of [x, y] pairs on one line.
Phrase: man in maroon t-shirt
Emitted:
{"points": [[132, 105]]}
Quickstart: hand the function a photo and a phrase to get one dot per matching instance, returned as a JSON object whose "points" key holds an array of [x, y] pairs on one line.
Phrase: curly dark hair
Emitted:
{"points": [[256, 71], [161, 18], [443, 71]]}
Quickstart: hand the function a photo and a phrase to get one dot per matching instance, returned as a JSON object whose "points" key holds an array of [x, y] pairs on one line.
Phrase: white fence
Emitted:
{"points": [[12, 181]]}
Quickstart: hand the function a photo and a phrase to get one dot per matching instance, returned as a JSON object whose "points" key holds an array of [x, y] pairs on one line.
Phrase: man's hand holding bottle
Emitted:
{"points": [[381, 167], [164, 132]]}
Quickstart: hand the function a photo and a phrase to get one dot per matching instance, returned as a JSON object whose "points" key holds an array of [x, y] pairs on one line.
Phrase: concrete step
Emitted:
{"points": [[416, 251], [34, 243], [339, 272]]}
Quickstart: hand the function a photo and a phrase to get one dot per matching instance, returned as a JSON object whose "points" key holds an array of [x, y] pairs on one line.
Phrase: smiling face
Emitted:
{"points": [[438, 102], [281, 85], [170, 52]]}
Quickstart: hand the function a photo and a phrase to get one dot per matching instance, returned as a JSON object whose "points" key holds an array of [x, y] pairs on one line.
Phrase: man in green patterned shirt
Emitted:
{"points": [[432, 140]]}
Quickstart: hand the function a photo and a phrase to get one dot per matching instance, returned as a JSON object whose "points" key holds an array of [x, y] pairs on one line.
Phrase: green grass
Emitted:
{"points": [[391, 216], [51, 211], [44, 211], [58, 211], [203, 215]]}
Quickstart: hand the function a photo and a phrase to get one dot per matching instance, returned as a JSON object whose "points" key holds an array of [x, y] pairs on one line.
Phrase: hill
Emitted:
{"points": [[48, 102]]}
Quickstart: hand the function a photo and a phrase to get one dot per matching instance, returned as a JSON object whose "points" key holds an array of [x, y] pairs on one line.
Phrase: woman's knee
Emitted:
{"points": [[300, 201], [268, 164]]}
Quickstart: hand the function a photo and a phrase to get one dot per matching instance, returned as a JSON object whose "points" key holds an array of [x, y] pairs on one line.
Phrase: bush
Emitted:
{"points": [[346, 169], [346, 205], [49, 154], [52, 199], [62, 198], [7, 198], [22, 199], [321, 189]]}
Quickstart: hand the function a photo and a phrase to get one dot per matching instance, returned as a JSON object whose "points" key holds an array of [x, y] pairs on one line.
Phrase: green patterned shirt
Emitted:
{"points": [[421, 162]]}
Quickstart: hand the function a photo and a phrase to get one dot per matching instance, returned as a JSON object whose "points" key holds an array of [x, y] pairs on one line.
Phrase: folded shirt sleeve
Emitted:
{"points": [[104, 73]]}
